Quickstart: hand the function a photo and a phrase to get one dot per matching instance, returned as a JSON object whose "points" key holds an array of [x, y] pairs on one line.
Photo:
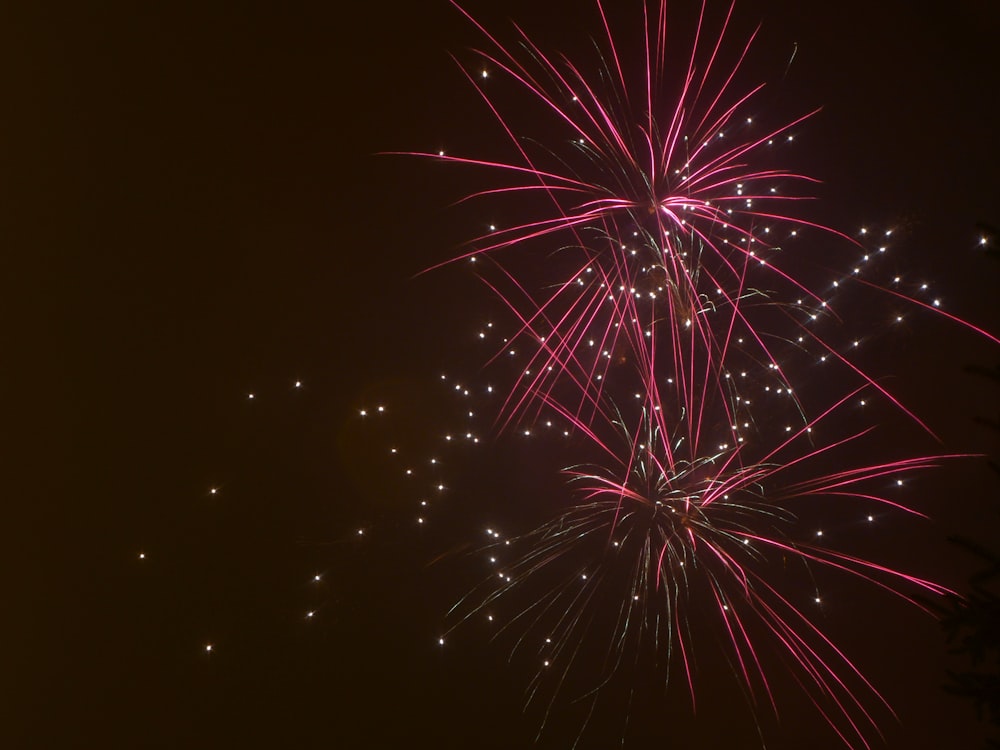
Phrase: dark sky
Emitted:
{"points": [[192, 210]]}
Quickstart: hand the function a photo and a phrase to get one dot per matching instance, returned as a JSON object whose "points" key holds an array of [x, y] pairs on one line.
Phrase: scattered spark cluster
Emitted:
{"points": [[315, 580]]}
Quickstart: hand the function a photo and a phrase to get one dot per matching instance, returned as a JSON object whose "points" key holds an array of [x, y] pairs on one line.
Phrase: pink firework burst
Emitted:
{"points": [[654, 196], [665, 314]]}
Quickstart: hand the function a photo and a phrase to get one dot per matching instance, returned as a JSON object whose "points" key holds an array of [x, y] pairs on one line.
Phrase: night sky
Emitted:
{"points": [[194, 209]]}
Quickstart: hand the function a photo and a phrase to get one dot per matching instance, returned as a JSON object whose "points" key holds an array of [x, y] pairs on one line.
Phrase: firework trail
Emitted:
{"points": [[667, 317]]}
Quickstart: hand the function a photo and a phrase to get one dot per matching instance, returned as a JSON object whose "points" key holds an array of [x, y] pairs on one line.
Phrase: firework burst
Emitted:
{"points": [[663, 314]]}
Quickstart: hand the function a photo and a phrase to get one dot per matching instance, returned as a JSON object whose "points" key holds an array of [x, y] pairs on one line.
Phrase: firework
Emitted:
{"points": [[666, 317]]}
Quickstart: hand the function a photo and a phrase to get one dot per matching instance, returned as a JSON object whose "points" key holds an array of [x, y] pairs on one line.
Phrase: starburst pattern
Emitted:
{"points": [[666, 316]]}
